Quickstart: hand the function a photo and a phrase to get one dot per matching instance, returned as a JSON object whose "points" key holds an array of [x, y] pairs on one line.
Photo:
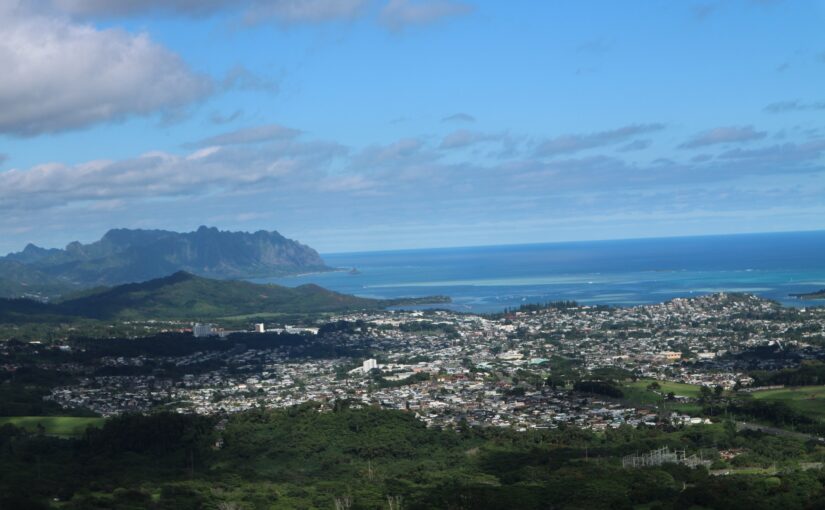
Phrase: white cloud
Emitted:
{"points": [[60, 75], [157, 175], [398, 14]]}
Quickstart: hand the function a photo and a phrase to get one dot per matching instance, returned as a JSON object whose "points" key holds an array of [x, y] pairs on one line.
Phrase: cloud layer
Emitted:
{"points": [[276, 175]]}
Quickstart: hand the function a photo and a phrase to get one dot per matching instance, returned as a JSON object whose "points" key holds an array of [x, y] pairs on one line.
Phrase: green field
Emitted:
{"points": [[637, 392], [64, 426], [805, 399]]}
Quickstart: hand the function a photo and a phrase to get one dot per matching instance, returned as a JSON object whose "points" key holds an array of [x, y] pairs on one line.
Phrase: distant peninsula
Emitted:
{"points": [[125, 256], [819, 294]]}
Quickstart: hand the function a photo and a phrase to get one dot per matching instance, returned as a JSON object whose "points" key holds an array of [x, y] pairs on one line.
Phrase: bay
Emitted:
{"points": [[623, 272]]}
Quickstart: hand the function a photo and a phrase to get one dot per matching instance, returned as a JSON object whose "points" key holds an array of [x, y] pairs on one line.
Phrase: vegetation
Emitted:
{"points": [[64, 426], [124, 255], [182, 296], [808, 400], [640, 391], [810, 373], [606, 388], [373, 459]]}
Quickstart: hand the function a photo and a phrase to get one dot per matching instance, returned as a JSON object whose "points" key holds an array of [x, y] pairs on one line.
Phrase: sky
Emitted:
{"points": [[357, 125]]}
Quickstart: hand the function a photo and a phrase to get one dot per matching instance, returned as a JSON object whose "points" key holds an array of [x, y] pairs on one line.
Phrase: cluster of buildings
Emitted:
{"points": [[452, 369]]}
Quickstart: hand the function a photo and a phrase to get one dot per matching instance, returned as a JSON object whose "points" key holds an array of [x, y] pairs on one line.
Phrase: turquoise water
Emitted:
{"points": [[627, 272]]}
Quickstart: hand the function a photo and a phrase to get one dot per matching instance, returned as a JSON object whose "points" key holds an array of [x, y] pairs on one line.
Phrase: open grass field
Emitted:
{"points": [[805, 399], [64, 426], [637, 392]]}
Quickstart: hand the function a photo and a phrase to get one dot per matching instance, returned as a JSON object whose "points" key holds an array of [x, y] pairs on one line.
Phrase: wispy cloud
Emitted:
{"points": [[462, 138], [122, 8], [241, 78], [635, 145], [459, 117], [303, 11], [406, 149], [248, 135], [579, 142], [784, 153], [702, 11], [793, 106], [253, 11], [399, 14], [595, 46], [220, 118], [721, 135]]}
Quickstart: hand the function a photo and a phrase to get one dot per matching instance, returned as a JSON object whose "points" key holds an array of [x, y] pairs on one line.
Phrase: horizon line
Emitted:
{"points": [[545, 243]]}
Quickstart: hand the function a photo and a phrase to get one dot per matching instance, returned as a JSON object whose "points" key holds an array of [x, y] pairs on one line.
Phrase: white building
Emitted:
{"points": [[259, 328], [369, 365], [203, 330]]}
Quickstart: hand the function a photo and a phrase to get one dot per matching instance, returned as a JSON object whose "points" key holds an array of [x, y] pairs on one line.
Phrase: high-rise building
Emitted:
{"points": [[203, 330]]}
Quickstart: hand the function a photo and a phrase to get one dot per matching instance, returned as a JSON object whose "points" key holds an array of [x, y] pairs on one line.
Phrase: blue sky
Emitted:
{"points": [[378, 124]]}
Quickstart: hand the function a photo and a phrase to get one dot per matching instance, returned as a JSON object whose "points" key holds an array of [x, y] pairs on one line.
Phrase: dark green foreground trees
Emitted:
{"points": [[372, 459]]}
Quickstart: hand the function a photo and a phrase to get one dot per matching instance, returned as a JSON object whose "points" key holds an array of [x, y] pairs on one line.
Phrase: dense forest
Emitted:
{"points": [[373, 459]]}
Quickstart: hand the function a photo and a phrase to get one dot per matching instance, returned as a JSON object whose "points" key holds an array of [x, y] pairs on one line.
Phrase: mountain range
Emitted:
{"points": [[126, 256]]}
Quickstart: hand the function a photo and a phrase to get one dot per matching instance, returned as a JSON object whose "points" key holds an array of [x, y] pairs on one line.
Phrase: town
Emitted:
{"points": [[525, 369]]}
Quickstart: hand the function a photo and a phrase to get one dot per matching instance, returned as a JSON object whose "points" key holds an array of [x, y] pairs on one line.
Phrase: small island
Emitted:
{"points": [[819, 294]]}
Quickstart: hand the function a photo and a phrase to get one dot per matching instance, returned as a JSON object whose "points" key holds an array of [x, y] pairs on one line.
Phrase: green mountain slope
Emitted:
{"points": [[20, 280], [186, 296]]}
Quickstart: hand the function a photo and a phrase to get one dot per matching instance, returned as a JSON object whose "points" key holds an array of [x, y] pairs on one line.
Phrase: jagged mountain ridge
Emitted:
{"points": [[127, 256]]}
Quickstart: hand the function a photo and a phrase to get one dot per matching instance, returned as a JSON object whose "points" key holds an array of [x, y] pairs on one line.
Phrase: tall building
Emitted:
{"points": [[203, 330], [260, 328], [369, 365]]}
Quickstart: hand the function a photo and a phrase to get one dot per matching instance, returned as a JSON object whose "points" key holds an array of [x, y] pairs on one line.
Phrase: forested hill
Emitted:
{"points": [[186, 296], [124, 256]]}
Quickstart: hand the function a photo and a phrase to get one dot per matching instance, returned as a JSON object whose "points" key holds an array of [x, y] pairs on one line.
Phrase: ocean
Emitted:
{"points": [[627, 272]]}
